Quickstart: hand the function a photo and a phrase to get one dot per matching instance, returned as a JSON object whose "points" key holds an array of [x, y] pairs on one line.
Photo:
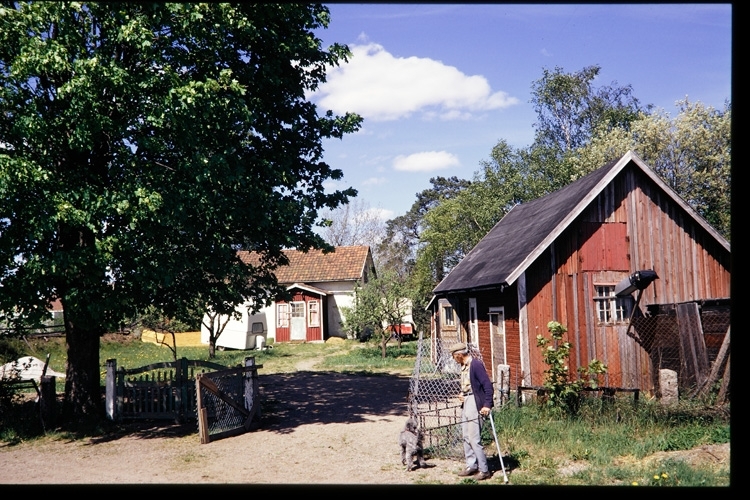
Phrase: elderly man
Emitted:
{"points": [[476, 396]]}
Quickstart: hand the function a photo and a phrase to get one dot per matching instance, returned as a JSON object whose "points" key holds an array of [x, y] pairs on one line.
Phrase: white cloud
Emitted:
{"points": [[425, 162], [381, 87], [381, 213], [374, 181]]}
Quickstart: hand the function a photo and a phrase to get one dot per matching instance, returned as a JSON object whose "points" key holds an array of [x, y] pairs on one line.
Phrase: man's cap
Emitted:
{"points": [[458, 347]]}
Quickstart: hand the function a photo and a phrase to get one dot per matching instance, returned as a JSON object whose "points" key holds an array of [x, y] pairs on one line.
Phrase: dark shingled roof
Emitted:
{"points": [[529, 228], [344, 264]]}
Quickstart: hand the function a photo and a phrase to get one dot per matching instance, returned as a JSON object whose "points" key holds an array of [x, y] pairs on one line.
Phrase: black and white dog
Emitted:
{"points": [[410, 440]]}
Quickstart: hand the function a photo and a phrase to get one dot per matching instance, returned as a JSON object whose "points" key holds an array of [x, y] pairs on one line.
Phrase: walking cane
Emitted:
{"points": [[499, 451]]}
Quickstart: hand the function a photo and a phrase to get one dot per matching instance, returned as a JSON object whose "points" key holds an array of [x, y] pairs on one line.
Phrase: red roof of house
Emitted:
{"points": [[344, 264]]}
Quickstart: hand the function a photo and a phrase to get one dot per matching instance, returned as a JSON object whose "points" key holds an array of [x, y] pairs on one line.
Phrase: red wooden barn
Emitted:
{"points": [[560, 257]]}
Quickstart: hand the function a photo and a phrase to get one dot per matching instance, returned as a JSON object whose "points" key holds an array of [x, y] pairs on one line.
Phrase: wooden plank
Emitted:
{"points": [[715, 368], [692, 345]]}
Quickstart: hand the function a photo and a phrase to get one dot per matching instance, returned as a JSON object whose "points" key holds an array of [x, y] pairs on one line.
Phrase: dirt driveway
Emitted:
{"points": [[317, 428]]}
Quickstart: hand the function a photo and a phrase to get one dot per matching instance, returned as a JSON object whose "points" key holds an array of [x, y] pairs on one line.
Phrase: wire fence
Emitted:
{"points": [[228, 401], [686, 338], [221, 416], [433, 397]]}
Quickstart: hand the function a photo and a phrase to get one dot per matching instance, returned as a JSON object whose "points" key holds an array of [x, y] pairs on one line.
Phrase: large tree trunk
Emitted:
{"points": [[82, 403]]}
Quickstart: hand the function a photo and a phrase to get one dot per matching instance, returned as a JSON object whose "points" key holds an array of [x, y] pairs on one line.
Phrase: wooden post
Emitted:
{"points": [[110, 400], [718, 364], [182, 380], [252, 403], [48, 401], [202, 415], [692, 345], [724, 392]]}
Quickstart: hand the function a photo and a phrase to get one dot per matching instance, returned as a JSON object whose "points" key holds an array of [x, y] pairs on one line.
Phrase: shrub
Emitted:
{"points": [[563, 393]]}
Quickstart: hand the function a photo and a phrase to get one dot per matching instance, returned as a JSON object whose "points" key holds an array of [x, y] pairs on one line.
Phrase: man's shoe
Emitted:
{"points": [[467, 472], [483, 475]]}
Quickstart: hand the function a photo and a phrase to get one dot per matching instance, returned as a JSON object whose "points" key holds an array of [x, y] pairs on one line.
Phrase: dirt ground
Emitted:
{"points": [[317, 428]]}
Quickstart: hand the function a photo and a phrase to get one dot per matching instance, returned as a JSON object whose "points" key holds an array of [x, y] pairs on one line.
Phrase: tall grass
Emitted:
{"points": [[606, 444]]}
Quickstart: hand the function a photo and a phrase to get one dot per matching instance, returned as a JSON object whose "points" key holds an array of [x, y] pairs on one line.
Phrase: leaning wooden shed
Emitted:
{"points": [[560, 258]]}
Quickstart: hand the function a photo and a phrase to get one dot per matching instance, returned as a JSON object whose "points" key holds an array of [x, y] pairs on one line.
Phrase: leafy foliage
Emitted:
{"points": [[691, 152], [562, 392], [379, 307], [142, 144], [569, 108]]}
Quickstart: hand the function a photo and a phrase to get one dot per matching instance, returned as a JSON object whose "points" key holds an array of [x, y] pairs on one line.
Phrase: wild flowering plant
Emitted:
{"points": [[563, 393]]}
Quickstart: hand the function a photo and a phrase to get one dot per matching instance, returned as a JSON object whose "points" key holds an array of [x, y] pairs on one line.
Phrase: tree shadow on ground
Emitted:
{"points": [[289, 400]]}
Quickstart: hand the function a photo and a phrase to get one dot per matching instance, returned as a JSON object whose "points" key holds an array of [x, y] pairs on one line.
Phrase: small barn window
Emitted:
{"points": [[314, 311], [448, 316], [610, 308], [282, 315]]}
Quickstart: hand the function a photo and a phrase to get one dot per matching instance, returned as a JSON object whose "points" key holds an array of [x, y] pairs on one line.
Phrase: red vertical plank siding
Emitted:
{"points": [[631, 225]]}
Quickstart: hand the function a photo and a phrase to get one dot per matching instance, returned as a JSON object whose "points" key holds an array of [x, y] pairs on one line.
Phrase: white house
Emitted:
{"points": [[320, 285]]}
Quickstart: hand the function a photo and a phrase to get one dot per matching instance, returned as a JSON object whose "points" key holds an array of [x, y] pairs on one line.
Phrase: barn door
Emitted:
{"points": [[497, 336], [298, 327]]}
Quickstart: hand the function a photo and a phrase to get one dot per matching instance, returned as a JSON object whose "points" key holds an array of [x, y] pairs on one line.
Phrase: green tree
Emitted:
{"points": [[404, 234], [141, 145], [379, 306], [569, 108], [691, 152]]}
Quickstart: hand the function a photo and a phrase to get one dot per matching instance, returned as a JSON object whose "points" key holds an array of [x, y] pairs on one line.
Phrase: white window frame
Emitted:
{"points": [[609, 308], [313, 308], [282, 315]]}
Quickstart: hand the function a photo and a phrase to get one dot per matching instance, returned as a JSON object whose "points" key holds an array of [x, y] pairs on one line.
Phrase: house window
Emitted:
{"points": [[282, 315], [448, 317], [314, 311], [610, 308]]}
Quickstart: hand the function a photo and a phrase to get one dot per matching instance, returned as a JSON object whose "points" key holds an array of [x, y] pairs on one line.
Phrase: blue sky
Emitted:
{"points": [[439, 84]]}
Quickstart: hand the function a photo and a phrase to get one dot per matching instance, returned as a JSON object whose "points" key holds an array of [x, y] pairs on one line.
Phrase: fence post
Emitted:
{"points": [[503, 384], [181, 367], [110, 400], [48, 401], [251, 389]]}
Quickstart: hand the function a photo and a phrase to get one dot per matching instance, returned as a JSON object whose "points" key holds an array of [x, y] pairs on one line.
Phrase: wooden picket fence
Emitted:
{"points": [[156, 391]]}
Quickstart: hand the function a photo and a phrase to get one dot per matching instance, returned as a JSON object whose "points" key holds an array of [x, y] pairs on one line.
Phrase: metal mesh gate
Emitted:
{"points": [[228, 401], [433, 397]]}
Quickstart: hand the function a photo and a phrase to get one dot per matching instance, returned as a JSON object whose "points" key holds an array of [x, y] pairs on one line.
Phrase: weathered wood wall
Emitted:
{"points": [[632, 225]]}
